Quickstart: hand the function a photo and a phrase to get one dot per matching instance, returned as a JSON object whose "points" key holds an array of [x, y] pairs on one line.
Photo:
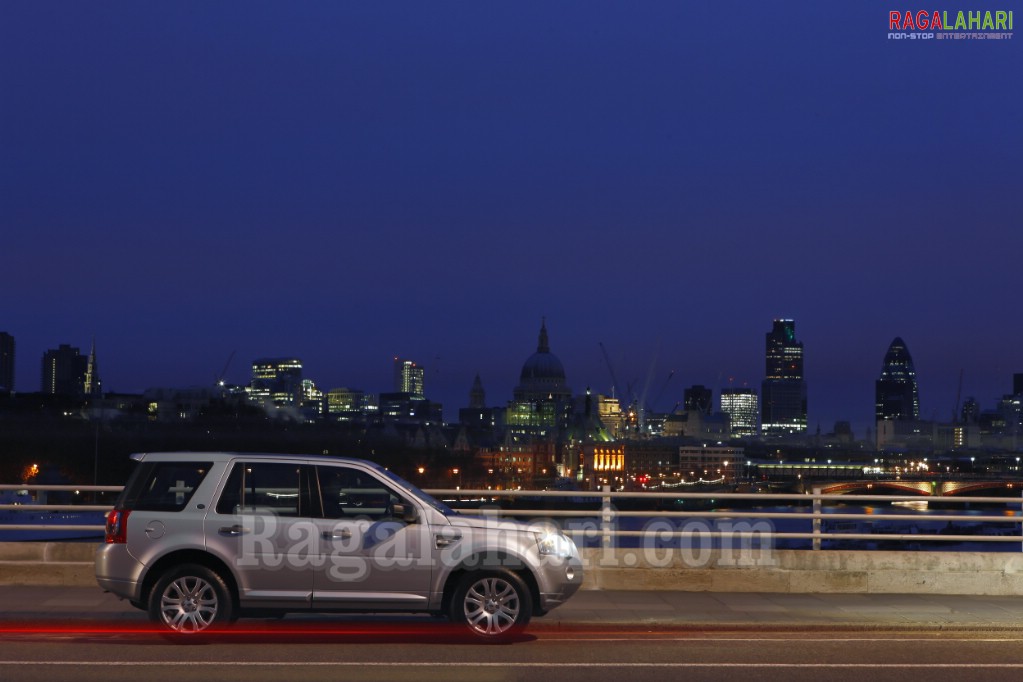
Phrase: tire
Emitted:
{"points": [[494, 606], [190, 599]]}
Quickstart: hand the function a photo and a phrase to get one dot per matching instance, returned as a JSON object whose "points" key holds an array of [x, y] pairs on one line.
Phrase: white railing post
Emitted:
{"points": [[816, 518], [606, 516]]}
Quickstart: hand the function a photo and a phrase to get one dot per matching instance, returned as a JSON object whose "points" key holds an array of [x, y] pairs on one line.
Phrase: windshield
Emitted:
{"points": [[428, 499]]}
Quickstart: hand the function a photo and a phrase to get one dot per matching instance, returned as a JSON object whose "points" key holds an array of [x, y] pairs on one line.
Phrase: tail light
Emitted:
{"points": [[117, 526]]}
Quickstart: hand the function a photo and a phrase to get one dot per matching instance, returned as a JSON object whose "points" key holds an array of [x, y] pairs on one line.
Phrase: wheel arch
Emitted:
{"points": [[490, 561], [188, 556]]}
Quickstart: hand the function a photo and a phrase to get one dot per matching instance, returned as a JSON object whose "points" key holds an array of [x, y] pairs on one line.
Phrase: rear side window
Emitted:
{"points": [[163, 486], [267, 488]]}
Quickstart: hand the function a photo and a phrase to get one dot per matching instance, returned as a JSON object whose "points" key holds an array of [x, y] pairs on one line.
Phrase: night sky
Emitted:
{"points": [[348, 181]]}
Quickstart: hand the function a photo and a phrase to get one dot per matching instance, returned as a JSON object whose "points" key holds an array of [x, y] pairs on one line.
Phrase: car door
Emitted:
{"points": [[376, 550], [263, 525]]}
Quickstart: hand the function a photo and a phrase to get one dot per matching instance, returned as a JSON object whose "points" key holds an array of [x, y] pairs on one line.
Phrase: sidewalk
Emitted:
{"points": [[720, 610], [654, 609]]}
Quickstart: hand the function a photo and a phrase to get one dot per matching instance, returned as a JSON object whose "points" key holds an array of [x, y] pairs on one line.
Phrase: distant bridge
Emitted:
{"points": [[926, 488]]}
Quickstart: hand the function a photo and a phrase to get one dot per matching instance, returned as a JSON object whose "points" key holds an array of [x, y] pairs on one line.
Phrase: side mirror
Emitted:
{"points": [[405, 512]]}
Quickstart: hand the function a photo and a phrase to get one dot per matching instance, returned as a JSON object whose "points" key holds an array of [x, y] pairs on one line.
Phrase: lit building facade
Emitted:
{"points": [[609, 410], [709, 463], [783, 392], [602, 464], [743, 409], [895, 392], [345, 403], [277, 381], [522, 467]]}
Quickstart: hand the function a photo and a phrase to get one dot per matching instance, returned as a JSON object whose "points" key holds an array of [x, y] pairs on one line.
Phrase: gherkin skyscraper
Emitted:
{"points": [[896, 396]]}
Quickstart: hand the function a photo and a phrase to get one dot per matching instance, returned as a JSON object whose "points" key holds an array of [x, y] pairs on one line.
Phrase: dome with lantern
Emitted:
{"points": [[543, 375]]}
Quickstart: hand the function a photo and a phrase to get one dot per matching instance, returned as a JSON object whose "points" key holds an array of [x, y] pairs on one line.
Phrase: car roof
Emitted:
{"points": [[220, 456]]}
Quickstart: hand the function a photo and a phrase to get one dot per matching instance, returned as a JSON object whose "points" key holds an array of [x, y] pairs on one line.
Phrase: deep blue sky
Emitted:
{"points": [[349, 181]]}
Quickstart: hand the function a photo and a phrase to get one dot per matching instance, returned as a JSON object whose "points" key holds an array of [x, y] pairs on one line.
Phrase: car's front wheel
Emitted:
{"points": [[190, 599], [493, 605]]}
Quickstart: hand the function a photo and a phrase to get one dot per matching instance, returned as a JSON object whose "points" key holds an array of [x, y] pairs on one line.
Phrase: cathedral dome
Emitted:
{"points": [[542, 367], [543, 375]]}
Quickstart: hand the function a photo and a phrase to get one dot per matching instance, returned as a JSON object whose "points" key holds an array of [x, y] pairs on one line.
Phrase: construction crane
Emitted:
{"points": [[664, 387], [219, 380], [611, 370], [622, 398]]}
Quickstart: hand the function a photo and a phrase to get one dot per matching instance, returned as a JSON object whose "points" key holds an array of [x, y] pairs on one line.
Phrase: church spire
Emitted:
{"points": [[544, 345], [477, 397], [92, 380]]}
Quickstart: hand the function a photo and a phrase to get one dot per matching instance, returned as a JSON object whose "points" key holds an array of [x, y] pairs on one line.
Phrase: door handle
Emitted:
{"points": [[447, 540], [343, 534], [232, 530]]}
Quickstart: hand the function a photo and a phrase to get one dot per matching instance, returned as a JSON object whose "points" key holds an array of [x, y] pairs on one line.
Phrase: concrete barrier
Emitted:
{"points": [[803, 571], [787, 571], [47, 563]]}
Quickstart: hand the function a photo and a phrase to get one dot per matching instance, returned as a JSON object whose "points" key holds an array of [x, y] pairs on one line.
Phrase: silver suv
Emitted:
{"points": [[200, 539]]}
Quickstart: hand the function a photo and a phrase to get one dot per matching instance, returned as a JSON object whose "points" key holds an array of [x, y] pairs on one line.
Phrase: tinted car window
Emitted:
{"points": [[267, 488], [349, 492], [163, 486]]}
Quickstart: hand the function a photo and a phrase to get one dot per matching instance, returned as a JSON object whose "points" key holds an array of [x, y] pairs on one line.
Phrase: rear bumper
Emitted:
{"points": [[118, 572]]}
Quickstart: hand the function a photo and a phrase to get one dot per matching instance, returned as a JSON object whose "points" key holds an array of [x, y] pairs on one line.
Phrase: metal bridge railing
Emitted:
{"points": [[600, 505], [68, 507], [607, 513]]}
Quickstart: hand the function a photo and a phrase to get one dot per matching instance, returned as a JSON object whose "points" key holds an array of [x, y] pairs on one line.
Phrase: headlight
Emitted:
{"points": [[554, 544]]}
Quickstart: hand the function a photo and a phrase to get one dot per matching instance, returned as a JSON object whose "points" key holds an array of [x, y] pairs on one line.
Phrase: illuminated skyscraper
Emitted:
{"points": [[277, 380], [408, 378], [895, 392], [742, 408], [6, 363], [783, 390]]}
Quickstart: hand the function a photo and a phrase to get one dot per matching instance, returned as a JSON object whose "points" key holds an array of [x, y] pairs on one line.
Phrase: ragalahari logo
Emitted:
{"points": [[944, 25]]}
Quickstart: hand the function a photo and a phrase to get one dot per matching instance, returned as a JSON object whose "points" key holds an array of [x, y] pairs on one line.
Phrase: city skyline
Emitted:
{"points": [[350, 182], [670, 392]]}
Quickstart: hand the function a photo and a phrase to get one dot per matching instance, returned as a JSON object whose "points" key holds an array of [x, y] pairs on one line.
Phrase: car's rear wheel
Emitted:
{"points": [[493, 605], [190, 599]]}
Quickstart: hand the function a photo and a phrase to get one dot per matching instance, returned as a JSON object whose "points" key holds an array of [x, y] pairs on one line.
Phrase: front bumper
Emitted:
{"points": [[560, 582]]}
